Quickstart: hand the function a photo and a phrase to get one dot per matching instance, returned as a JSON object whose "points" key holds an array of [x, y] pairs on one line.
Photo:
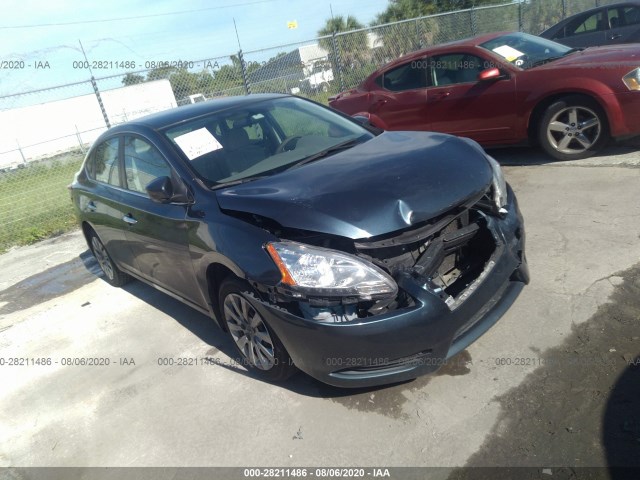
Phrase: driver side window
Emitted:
{"points": [[143, 163], [452, 69]]}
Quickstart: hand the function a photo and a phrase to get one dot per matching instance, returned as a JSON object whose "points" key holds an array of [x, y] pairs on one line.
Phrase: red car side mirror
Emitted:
{"points": [[490, 74]]}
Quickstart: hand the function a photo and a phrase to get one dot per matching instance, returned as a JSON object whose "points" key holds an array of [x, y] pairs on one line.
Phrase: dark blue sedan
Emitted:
{"points": [[318, 243]]}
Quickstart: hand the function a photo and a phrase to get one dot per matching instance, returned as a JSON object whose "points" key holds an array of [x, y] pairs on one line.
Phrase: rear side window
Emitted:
{"points": [[104, 165], [143, 163], [593, 23], [409, 76]]}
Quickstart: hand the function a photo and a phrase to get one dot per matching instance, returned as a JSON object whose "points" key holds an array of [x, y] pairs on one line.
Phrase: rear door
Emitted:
{"points": [[157, 233], [102, 202], [399, 96]]}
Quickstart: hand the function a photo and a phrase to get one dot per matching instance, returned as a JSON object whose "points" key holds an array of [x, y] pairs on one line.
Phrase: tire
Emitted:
{"points": [[112, 274], [573, 128], [260, 349]]}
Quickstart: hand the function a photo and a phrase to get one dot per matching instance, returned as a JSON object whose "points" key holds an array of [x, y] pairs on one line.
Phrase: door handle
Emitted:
{"points": [[440, 95], [615, 36], [379, 103], [91, 206], [129, 219]]}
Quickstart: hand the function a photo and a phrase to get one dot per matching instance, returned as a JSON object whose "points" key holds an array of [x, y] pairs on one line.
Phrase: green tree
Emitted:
{"points": [[353, 49], [183, 82], [404, 10], [538, 16], [160, 73], [132, 79], [401, 38]]}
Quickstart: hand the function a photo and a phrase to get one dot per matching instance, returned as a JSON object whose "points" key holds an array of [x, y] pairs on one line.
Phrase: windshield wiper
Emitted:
{"points": [[551, 59], [326, 152], [237, 182]]}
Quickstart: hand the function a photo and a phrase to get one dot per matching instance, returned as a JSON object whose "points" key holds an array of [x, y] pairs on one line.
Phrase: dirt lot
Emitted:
{"points": [[554, 385]]}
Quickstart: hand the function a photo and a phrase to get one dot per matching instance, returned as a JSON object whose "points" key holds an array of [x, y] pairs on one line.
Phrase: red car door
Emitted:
{"points": [[398, 97], [460, 104]]}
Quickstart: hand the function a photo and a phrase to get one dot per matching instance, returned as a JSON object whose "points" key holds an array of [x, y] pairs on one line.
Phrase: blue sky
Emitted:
{"points": [[165, 31]]}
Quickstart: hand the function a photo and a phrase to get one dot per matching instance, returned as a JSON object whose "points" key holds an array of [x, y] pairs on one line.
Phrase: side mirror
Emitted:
{"points": [[490, 74], [165, 190], [160, 190], [366, 123]]}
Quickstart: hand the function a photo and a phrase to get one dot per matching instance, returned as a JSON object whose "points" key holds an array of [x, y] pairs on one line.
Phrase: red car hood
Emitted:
{"points": [[593, 57]]}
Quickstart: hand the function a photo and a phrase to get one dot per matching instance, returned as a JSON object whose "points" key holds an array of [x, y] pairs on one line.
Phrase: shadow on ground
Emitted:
{"points": [[580, 407], [526, 156]]}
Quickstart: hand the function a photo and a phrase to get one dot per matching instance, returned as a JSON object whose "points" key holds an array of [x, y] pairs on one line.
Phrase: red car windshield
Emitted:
{"points": [[526, 51]]}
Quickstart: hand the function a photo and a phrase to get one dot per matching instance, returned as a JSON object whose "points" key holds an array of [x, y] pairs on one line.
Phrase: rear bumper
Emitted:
{"points": [[409, 342]]}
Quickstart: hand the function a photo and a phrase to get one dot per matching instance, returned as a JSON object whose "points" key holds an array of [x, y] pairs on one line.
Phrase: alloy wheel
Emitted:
{"points": [[574, 130], [249, 332], [102, 257]]}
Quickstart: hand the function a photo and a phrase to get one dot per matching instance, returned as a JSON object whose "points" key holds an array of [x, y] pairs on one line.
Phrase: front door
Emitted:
{"points": [[157, 233], [459, 104]]}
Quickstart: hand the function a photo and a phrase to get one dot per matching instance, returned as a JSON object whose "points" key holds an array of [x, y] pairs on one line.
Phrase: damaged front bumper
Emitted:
{"points": [[408, 342]]}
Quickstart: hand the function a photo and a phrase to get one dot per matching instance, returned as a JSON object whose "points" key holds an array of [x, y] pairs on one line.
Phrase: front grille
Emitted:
{"points": [[448, 253]]}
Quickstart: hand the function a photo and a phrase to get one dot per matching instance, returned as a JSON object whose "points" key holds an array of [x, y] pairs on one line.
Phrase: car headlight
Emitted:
{"points": [[632, 79], [321, 271], [499, 185]]}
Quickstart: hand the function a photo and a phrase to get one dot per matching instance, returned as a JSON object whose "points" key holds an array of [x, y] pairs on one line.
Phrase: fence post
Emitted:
{"points": [[419, 34], [336, 56], [97, 92], [245, 77], [564, 8], [79, 140], [520, 17], [473, 20], [24, 160]]}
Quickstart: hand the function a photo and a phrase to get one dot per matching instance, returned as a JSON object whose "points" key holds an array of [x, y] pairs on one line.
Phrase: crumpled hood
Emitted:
{"points": [[388, 183]]}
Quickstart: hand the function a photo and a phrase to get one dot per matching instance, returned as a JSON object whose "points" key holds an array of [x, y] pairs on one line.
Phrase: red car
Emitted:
{"points": [[506, 89]]}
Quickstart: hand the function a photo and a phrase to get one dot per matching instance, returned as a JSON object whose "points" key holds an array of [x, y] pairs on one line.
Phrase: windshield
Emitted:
{"points": [[262, 139], [526, 51]]}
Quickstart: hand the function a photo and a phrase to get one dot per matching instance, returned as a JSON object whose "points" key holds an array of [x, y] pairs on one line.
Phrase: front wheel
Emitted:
{"points": [[261, 350], [573, 128]]}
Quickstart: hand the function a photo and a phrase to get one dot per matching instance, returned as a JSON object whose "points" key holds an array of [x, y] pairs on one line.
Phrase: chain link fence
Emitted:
{"points": [[47, 132]]}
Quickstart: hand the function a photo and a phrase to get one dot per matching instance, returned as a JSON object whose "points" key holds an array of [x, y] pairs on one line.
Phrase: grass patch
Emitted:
{"points": [[34, 200]]}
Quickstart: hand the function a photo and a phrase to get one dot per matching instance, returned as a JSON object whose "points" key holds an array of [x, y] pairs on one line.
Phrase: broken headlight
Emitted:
{"points": [[499, 185], [321, 271]]}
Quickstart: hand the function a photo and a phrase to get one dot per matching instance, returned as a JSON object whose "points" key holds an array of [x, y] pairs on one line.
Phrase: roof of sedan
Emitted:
{"points": [[468, 42], [172, 116]]}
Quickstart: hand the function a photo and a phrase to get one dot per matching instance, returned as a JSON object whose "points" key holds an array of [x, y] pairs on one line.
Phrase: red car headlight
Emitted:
{"points": [[632, 79]]}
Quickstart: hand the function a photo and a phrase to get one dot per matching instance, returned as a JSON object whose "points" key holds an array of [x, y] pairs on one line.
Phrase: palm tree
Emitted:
{"points": [[352, 48]]}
